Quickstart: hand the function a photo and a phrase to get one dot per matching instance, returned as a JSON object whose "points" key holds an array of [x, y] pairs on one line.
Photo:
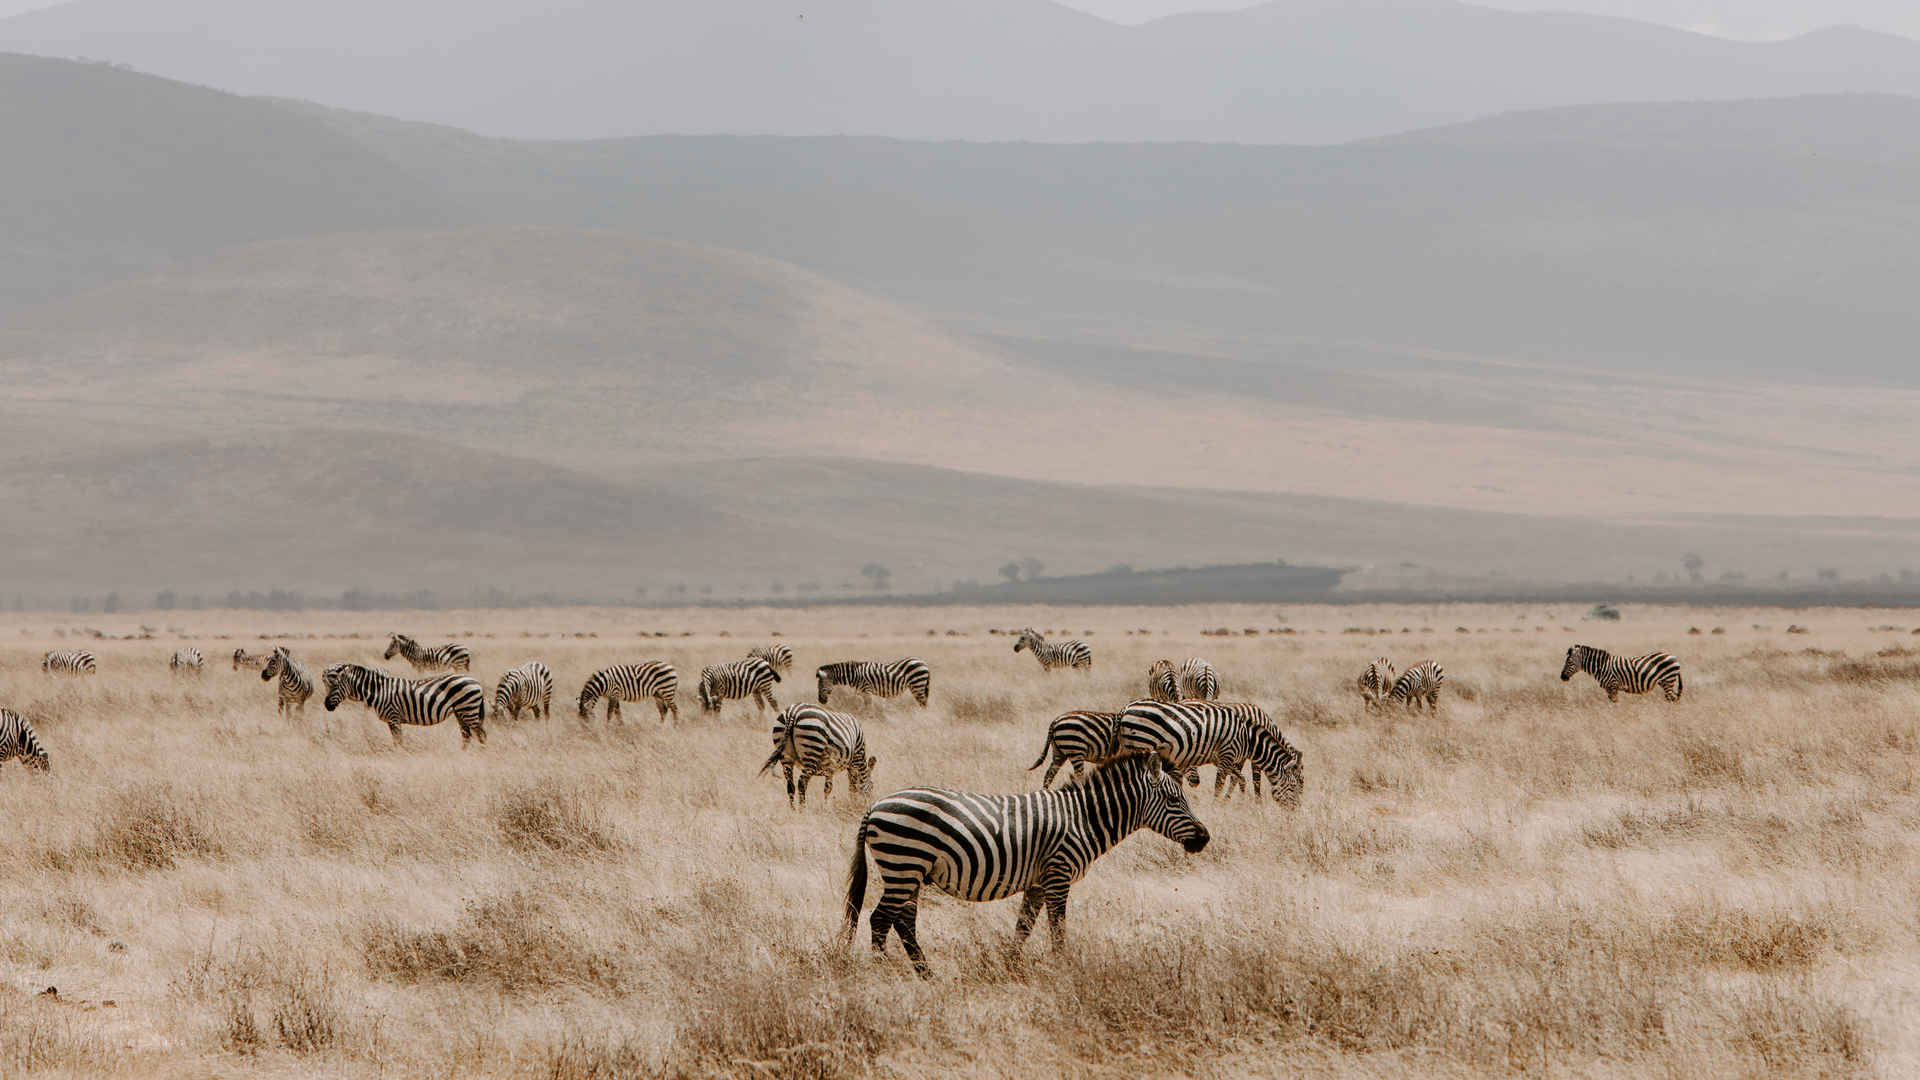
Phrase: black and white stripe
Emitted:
{"points": [[820, 742], [296, 686], [1376, 680], [988, 847], [186, 661], [654, 679], [253, 661], [68, 662], [1198, 681], [877, 678], [529, 686], [1634, 674], [749, 678], [1082, 737], [420, 702], [1189, 734], [17, 740], [775, 653], [452, 656], [1163, 682], [1054, 654], [1419, 683]]}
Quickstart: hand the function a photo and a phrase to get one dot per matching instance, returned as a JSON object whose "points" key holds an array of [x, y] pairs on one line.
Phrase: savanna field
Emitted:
{"points": [[1531, 882]]}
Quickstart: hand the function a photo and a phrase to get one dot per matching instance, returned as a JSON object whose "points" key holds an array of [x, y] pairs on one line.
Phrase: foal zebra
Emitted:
{"points": [[17, 740], [529, 686], [1054, 654], [187, 661], [1376, 680], [1421, 682], [775, 653], [877, 678], [421, 702], [988, 847], [1189, 734], [654, 679], [68, 662], [452, 656], [1082, 736], [1634, 674], [255, 661], [295, 685], [821, 742], [752, 677]]}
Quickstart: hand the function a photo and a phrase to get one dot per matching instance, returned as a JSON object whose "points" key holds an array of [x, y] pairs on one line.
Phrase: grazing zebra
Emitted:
{"points": [[988, 847], [295, 685], [1054, 654], [1194, 733], [749, 678], [187, 661], [1421, 682], [17, 740], [1082, 736], [1198, 682], [775, 653], [68, 662], [452, 656], [1376, 680], [1163, 682], [654, 679], [878, 678], [821, 742], [422, 702], [529, 686], [1634, 674], [255, 661]]}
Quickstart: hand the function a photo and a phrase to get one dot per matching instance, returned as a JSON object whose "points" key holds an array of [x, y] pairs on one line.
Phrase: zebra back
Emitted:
{"points": [[17, 740], [776, 653], [1163, 683], [68, 662], [1198, 680]]}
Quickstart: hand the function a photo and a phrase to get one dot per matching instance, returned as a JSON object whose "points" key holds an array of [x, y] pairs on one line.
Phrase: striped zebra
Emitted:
{"points": [[529, 686], [1419, 683], [988, 847], [68, 662], [1376, 680], [775, 653], [878, 678], [1198, 682], [1163, 682], [749, 678], [1634, 674], [1082, 736], [452, 656], [421, 702], [654, 679], [254, 661], [1194, 733], [1054, 654], [17, 740], [295, 685], [821, 742], [187, 661]]}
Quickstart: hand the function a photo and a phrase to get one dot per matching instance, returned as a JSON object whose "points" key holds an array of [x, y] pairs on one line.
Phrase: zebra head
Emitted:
{"points": [[401, 645], [1282, 764], [340, 680], [1578, 658], [1146, 792], [38, 760], [1028, 639], [275, 663], [826, 683], [860, 773], [709, 696]]}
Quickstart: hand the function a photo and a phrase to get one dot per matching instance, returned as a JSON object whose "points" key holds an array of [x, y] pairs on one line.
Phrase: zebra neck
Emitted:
{"points": [[1107, 817]]}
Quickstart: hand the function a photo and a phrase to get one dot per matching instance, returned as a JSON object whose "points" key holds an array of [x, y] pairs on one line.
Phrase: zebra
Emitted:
{"points": [[1634, 674], [1376, 680], [1198, 682], [422, 702], [775, 653], [821, 742], [749, 678], [295, 685], [452, 656], [68, 662], [654, 679], [17, 740], [1421, 682], [1054, 654], [1194, 733], [988, 847], [878, 678], [187, 661], [1081, 736], [1163, 682], [255, 661], [529, 686]]}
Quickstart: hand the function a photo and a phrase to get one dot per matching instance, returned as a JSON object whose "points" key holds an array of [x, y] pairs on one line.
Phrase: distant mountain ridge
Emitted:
{"points": [[1291, 71]]}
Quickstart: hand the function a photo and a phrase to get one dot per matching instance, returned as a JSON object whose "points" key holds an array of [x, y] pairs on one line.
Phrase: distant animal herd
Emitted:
{"points": [[1128, 764]]}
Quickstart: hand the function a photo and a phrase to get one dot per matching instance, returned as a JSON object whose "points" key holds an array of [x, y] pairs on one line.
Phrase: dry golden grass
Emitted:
{"points": [[1534, 882]]}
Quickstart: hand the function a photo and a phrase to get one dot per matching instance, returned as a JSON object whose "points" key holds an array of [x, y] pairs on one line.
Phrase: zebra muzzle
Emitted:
{"points": [[1197, 841]]}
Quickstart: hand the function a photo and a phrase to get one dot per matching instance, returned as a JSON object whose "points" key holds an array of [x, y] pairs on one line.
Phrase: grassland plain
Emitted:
{"points": [[1532, 882]]}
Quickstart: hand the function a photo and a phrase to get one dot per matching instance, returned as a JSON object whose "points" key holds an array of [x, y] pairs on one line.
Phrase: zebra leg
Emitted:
{"points": [[395, 728], [903, 925], [1057, 910], [613, 710], [804, 777], [788, 766], [1029, 913], [1219, 777]]}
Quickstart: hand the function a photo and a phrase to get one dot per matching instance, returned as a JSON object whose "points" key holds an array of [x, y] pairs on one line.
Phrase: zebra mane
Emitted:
{"points": [[1589, 654], [1135, 760], [839, 668]]}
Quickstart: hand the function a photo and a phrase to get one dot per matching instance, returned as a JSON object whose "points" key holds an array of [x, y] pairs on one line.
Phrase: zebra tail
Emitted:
{"points": [[1679, 685], [776, 674], [857, 881], [1045, 749], [772, 759]]}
